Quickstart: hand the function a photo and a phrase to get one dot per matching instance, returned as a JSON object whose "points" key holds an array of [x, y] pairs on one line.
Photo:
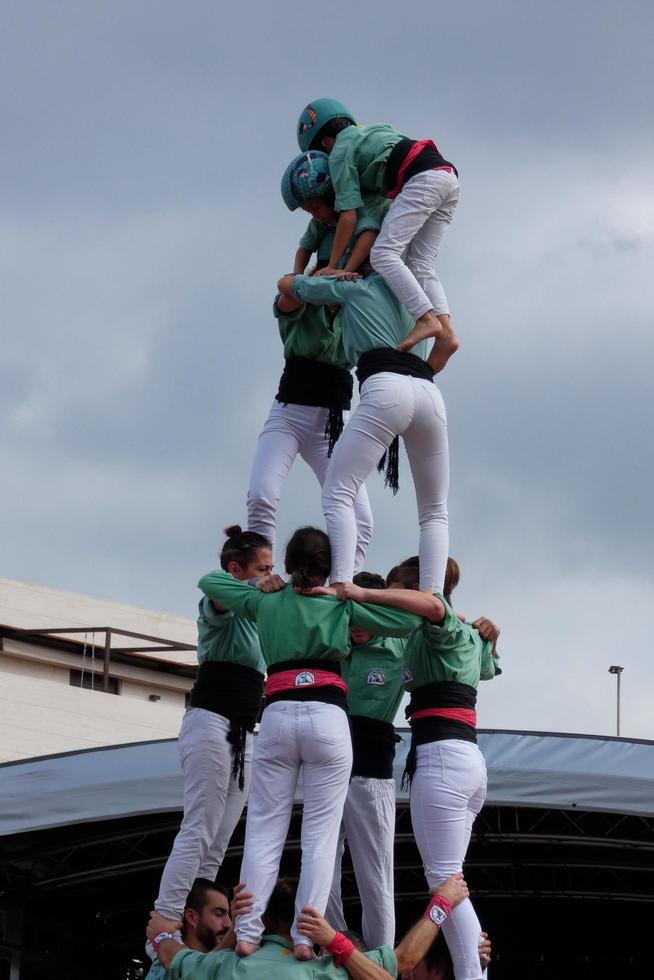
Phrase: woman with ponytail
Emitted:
{"points": [[304, 728], [215, 740]]}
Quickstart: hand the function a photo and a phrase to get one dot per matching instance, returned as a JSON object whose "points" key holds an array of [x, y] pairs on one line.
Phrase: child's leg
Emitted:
{"points": [[441, 194], [313, 449], [383, 412], [276, 451]]}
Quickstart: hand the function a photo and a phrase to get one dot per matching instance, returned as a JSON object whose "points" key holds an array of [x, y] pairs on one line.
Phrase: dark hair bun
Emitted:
{"points": [[233, 530]]}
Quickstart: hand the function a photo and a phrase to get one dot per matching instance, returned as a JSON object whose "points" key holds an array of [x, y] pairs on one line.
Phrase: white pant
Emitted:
{"points": [[407, 246], [213, 804], [369, 826], [289, 430], [295, 736], [447, 792], [390, 405]]}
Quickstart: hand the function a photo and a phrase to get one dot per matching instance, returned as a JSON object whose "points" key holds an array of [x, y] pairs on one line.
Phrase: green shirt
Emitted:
{"points": [[274, 961], [300, 627], [226, 637], [319, 237], [157, 972], [449, 651], [373, 674], [371, 316], [357, 162], [313, 332]]}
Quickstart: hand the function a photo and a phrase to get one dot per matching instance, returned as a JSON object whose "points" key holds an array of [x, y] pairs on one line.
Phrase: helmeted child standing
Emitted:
{"points": [[424, 188]]}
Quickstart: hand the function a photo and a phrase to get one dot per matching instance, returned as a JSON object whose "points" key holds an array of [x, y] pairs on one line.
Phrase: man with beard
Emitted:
{"points": [[206, 921]]}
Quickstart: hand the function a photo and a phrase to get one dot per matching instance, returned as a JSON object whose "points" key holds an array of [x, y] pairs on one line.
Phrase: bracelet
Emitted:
{"points": [[438, 909], [160, 938], [340, 948]]}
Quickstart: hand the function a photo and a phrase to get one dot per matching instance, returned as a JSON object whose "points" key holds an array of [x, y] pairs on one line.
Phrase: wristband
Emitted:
{"points": [[160, 938], [340, 949], [438, 909]]}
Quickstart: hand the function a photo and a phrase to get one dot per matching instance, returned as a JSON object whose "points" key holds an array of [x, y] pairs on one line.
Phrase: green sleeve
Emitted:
{"points": [[285, 317], [385, 957], [227, 591], [382, 620], [371, 215], [313, 236], [345, 177], [190, 965], [490, 665], [319, 290]]}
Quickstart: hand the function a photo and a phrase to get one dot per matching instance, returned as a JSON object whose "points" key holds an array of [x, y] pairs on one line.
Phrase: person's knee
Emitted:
{"points": [[335, 497], [383, 257]]}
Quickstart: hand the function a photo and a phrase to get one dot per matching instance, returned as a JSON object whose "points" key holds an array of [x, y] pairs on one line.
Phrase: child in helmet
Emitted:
{"points": [[424, 189], [306, 184]]}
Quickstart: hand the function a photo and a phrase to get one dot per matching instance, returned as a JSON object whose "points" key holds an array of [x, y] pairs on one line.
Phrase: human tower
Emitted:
{"points": [[330, 662]]}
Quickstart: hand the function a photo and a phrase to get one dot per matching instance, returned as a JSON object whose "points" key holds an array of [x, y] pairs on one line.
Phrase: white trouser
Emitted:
{"points": [[295, 736], [369, 826], [213, 804], [390, 405], [407, 246], [447, 792], [289, 430]]}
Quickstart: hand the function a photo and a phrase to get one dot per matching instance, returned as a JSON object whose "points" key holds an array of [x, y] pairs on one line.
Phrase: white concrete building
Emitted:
{"points": [[52, 682]]}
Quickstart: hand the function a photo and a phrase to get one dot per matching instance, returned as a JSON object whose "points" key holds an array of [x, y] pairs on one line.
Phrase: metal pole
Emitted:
{"points": [[107, 658], [618, 706]]}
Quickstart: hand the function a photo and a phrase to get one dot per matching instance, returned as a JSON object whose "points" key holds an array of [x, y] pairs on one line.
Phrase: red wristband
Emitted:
{"points": [[442, 904], [340, 948]]}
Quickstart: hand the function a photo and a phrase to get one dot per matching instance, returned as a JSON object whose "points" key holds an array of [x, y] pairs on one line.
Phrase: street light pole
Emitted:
{"points": [[617, 671]]}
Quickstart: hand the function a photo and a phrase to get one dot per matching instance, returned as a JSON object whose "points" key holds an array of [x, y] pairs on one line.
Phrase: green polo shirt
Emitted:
{"points": [[157, 972], [313, 332], [373, 674], [371, 316], [226, 637], [274, 961], [319, 237], [299, 627], [357, 162], [450, 651]]}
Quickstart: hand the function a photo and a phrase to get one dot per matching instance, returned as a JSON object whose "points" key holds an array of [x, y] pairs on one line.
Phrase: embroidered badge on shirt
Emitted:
{"points": [[377, 677], [306, 677], [406, 676]]}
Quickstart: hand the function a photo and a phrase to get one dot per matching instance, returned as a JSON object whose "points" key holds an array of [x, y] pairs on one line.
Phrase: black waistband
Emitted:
{"points": [[307, 382], [428, 159], [235, 692], [424, 730], [231, 690], [326, 695], [395, 361], [333, 666], [373, 744], [442, 694]]}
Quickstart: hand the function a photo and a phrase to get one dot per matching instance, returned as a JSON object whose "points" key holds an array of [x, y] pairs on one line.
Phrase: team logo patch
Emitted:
{"points": [[377, 677], [306, 677], [406, 676]]}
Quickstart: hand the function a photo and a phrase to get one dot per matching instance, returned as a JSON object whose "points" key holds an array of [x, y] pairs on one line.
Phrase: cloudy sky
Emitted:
{"points": [[142, 233]]}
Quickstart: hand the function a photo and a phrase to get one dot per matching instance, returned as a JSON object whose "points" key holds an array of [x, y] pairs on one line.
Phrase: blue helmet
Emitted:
{"points": [[305, 178], [316, 115]]}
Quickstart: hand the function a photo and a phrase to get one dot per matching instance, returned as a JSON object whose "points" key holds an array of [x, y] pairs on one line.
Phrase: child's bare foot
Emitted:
{"points": [[428, 325], [303, 952], [446, 344], [245, 949]]}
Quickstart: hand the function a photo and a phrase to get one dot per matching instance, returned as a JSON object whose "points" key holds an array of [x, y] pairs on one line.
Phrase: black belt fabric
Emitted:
{"points": [[373, 744], [315, 663], [394, 361], [235, 692], [428, 159], [307, 382], [440, 694]]}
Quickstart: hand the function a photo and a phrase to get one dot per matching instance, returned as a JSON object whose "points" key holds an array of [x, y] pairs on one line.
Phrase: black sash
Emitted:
{"points": [[429, 158], [373, 744]]}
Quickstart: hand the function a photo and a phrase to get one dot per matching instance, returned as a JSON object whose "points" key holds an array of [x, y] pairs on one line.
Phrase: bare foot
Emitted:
{"points": [[446, 344], [428, 325], [245, 949], [303, 952]]}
